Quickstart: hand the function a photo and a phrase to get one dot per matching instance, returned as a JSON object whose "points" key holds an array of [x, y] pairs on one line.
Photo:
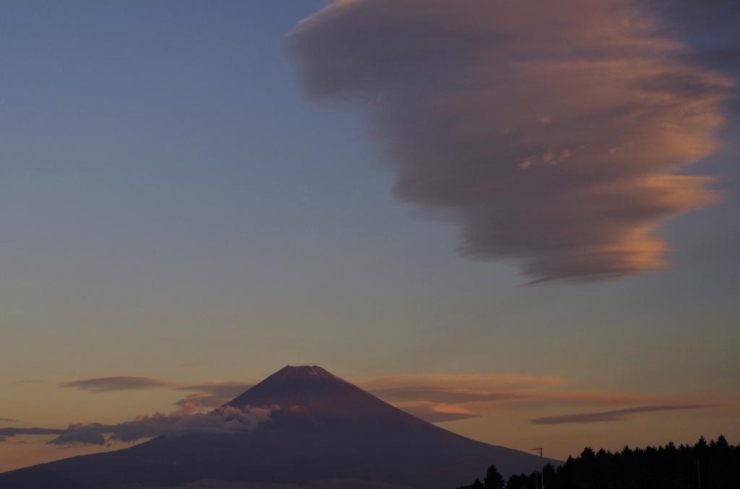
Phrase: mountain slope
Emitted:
{"points": [[312, 393], [321, 427], [37, 478]]}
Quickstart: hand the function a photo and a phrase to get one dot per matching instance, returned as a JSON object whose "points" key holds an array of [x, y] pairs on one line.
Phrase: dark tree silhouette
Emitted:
{"points": [[493, 480], [517, 482], [664, 467]]}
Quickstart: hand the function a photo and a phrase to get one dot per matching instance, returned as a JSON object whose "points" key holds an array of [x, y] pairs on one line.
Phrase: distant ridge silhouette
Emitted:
{"points": [[320, 428]]}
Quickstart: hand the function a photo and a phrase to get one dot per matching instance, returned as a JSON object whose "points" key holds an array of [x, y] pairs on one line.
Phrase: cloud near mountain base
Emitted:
{"points": [[180, 422]]}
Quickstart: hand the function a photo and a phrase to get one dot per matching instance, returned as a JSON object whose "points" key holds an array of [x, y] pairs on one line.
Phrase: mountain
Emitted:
{"points": [[320, 428], [312, 393], [37, 478]]}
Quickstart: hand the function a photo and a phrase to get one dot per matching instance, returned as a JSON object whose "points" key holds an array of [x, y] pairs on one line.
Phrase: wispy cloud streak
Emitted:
{"points": [[448, 390], [110, 384], [212, 394], [611, 416], [436, 412], [441, 398], [551, 132], [6, 433]]}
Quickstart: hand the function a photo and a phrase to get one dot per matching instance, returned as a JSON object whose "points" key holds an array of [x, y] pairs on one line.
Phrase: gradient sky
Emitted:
{"points": [[197, 194]]}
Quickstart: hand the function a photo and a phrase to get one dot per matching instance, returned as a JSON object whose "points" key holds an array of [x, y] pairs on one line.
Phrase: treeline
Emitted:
{"points": [[713, 465]]}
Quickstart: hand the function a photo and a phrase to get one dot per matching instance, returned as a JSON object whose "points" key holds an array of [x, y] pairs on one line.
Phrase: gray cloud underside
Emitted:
{"points": [[110, 384], [92, 434], [551, 132], [611, 416]]}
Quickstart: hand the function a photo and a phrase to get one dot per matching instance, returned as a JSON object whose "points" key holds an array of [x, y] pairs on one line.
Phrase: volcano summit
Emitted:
{"points": [[321, 428]]}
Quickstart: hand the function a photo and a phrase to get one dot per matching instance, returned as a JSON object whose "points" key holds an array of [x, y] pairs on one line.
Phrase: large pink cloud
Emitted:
{"points": [[551, 132]]}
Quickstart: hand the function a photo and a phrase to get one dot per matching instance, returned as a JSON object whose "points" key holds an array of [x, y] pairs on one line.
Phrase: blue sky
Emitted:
{"points": [[174, 207]]}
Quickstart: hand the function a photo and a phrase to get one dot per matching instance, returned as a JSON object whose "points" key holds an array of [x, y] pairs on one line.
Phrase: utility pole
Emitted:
{"points": [[539, 471]]}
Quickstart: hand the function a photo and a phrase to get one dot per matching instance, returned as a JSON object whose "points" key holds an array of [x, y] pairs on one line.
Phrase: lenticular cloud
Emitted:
{"points": [[551, 132]]}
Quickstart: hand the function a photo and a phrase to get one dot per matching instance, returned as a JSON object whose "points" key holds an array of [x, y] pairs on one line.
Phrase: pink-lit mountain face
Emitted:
{"points": [[312, 393], [320, 428]]}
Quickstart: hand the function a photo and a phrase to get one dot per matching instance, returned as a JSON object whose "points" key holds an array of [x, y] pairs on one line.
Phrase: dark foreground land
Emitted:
{"points": [[713, 465]]}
